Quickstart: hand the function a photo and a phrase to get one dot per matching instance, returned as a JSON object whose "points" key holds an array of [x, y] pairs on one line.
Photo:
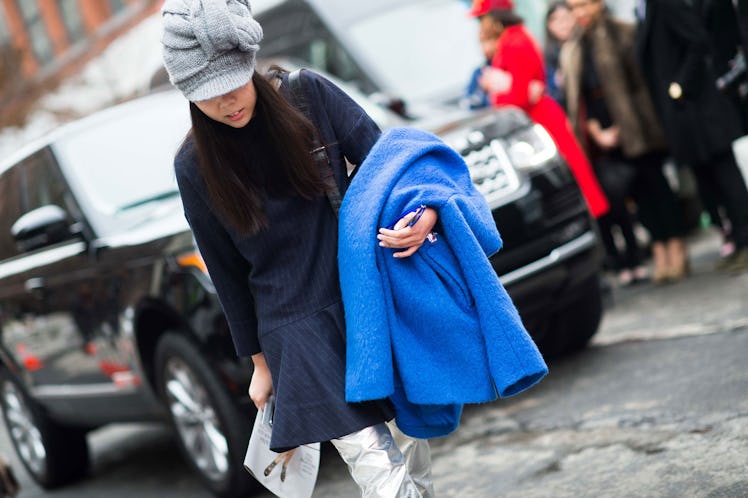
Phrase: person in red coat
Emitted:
{"points": [[515, 78]]}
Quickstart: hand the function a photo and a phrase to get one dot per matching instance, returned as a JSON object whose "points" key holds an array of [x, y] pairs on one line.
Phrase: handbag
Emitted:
{"points": [[616, 176]]}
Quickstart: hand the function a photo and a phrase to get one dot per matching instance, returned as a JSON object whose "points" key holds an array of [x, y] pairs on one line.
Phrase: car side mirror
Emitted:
{"points": [[42, 227]]}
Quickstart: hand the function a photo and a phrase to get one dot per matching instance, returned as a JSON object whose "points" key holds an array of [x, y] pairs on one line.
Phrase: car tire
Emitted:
{"points": [[570, 329], [53, 454], [212, 432], [583, 316]]}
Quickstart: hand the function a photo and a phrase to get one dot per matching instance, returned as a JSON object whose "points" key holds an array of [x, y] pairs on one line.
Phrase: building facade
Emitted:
{"points": [[42, 41], [50, 34]]}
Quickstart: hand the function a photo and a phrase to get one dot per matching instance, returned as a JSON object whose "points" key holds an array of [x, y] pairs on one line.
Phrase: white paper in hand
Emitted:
{"points": [[288, 475]]}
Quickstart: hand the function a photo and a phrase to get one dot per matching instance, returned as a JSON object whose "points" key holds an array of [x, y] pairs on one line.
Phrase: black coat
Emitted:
{"points": [[720, 21], [674, 46], [743, 24]]}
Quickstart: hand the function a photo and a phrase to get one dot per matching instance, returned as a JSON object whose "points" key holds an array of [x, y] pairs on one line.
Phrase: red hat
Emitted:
{"points": [[483, 7]]}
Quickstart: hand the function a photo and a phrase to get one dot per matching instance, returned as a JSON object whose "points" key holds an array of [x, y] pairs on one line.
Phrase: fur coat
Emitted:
{"points": [[626, 93]]}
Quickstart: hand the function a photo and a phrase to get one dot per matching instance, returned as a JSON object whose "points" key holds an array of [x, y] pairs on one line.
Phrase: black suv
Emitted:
{"points": [[107, 313]]}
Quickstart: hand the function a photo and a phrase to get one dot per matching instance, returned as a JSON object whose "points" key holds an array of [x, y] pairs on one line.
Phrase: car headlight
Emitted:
{"points": [[530, 148]]}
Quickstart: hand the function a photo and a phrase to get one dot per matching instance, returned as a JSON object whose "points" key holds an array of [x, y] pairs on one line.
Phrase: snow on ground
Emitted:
{"points": [[120, 72]]}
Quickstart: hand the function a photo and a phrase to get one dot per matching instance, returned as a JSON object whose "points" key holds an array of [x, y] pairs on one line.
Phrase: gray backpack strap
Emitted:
{"points": [[319, 152]]}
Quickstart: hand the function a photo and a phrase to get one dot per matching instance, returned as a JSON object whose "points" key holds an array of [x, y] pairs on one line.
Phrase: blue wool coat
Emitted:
{"points": [[435, 330]]}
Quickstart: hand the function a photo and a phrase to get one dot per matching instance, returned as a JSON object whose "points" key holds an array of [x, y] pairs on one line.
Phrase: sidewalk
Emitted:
{"points": [[687, 315]]}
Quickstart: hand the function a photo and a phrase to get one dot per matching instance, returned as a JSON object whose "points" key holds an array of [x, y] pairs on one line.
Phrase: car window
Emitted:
{"points": [[324, 53], [42, 183], [430, 50], [298, 33], [30, 184], [10, 210], [125, 163]]}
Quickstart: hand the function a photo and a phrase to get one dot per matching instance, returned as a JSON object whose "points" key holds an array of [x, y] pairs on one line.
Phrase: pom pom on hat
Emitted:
{"points": [[483, 7], [209, 46]]}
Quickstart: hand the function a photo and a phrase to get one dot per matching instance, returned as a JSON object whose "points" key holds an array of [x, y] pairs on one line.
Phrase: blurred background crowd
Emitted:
{"points": [[657, 103]]}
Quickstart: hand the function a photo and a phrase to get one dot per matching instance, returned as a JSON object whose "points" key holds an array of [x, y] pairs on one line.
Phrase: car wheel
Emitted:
{"points": [[52, 454], [212, 432], [570, 329]]}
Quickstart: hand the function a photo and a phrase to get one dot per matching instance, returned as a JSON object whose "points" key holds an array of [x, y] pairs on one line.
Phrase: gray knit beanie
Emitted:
{"points": [[209, 46]]}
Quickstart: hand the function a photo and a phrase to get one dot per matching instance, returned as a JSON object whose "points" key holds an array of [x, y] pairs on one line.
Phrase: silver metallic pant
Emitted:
{"points": [[385, 463]]}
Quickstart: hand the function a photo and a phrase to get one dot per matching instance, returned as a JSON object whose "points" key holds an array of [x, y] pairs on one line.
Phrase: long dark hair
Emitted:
{"points": [[552, 8], [239, 178], [552, 48]]}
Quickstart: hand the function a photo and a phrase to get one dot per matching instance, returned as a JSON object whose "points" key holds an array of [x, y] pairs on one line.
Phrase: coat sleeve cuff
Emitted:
{"points": [[246, 342]]}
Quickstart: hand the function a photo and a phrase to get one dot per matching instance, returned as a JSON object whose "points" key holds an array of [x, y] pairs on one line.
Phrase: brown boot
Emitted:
{"points": [[661, 272], [678, 266]]}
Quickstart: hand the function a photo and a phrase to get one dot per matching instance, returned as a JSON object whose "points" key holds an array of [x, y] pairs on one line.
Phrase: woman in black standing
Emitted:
{"points": [[700, 123], [256, 201]]}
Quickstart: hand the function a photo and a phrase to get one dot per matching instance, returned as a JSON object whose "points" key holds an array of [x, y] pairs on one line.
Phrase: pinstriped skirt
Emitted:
{"points": [[307, 362]]}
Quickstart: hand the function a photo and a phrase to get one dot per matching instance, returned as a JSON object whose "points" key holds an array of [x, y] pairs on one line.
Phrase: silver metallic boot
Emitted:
{"points": [[417, 453], [381, 469]]}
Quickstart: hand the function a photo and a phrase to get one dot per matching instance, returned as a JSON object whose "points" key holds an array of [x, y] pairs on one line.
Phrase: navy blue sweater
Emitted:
{"points": [[289, 271], [279, 288]]}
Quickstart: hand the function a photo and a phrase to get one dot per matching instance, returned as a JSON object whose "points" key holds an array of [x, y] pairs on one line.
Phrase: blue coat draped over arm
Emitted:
{"points": [[435, 330]]}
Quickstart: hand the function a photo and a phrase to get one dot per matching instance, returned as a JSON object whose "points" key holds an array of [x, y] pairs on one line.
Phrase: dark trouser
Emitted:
{"points": [[616, 175], [712, 204], [658, 206], [619, 215], [722, 176]]}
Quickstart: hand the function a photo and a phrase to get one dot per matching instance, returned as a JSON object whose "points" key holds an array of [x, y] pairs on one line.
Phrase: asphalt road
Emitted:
{"points": [[656, 407]]}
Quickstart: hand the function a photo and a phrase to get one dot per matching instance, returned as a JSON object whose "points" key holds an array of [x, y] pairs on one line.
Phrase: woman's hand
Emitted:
{"points": [[261, 385], [494, 80], [410, 238], [608, 138], [535, 91], [605, 138]]}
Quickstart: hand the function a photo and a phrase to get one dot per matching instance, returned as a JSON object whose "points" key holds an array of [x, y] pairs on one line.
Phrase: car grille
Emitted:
{"points": [[491, 171], [562, 202]]}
